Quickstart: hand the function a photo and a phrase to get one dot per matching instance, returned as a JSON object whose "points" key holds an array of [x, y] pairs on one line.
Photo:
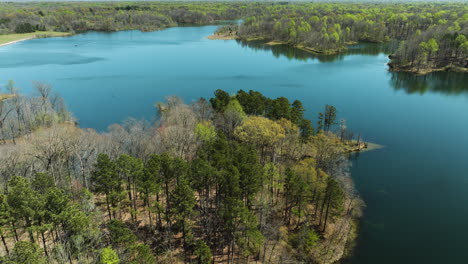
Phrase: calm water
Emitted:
{"points": [[416, 189]]}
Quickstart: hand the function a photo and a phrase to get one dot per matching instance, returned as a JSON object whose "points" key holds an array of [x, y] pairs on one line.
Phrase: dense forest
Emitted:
{"points": [[433, 36], [233, 179]]}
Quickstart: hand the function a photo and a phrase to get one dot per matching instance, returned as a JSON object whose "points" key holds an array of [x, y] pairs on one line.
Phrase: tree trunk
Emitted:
{"points": [[28, 225], [14, 231], [5, 244], [108, 207], [326, 217], [129, 192], [44, 244]]}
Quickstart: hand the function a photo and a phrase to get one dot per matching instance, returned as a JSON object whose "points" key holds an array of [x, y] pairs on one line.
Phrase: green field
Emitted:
{"points": [[39, 34]]}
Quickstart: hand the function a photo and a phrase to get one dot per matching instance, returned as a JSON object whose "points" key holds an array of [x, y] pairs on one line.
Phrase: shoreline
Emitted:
{"points": [[9, 39], [221, 37], [395, 67], [392, 67], [448, 68], [14, 41]]}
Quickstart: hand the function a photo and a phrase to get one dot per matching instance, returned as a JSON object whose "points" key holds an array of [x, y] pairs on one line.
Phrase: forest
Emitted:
{"points": [[234, 179], [432, 36]]}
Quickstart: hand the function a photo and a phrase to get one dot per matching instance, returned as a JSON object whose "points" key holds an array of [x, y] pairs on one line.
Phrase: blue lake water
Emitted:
{"points": [[416, 188]]}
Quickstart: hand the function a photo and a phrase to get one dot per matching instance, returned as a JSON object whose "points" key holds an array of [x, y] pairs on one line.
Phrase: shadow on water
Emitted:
{"points": [[448, 83], [292, 53]]}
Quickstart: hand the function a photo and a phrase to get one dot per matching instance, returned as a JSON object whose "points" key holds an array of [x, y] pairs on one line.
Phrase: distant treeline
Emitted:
{"points": [[85, 16], [433, 35]]}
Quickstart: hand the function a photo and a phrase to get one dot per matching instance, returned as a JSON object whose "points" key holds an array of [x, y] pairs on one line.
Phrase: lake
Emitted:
{"points": [[416, 188]]}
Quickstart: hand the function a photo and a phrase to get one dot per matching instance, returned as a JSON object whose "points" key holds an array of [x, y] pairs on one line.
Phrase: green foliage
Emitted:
{"points": [[259, 131], [253, 102], [235, 108], [203, 253], [26, 253], [25, 28], [109, 256], [304, 240], [220, 101], [120, 235], [183, 200], [42, 182], [327, 119], [238, 191], [205, 131], [105, 175], [279, 108], [141, 254]]}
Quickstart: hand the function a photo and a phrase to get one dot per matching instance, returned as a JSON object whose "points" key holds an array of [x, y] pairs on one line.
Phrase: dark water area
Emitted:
{"points": [[416, 188]]}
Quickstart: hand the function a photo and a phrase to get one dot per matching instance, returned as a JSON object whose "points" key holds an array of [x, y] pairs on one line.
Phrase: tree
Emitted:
{"points": [[24, 202], [26, 253], [205, 131], [141, 254], [149, 182], [183, 200], [220, 101], [297, 112], [260, 131], [245, 159], [130, 169], [333, 202], [5, 220], [304, 240], [203, 109], [329, 117], [109, 256], [120, 235], [203, 253], [320, 123], [279, 108], [253, 102], [232, 117], [42, 182], [105, 179], [306, 129]]}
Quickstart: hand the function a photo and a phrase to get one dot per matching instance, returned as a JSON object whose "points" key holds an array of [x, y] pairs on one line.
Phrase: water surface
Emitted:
{"points": [[416, 189]]}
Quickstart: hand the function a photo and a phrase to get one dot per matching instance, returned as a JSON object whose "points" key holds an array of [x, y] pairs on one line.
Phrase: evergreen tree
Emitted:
{"points": [[329, 117], [203, 253], [220, 101], [105, 179], [26, 253]]}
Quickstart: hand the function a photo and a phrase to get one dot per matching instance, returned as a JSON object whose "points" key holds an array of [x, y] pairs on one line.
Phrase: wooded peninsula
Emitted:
{"points": [[431, 36], [234, 179]]}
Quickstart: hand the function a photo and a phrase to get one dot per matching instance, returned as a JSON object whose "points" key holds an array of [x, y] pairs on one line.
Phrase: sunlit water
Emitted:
{"points": [[416, 188]]}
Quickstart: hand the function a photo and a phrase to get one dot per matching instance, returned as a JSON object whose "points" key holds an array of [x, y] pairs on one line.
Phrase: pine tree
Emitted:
{"points": [[105, 179]]}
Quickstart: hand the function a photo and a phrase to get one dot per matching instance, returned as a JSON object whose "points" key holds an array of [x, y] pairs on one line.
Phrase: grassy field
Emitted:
{"points": [[39, 34]]}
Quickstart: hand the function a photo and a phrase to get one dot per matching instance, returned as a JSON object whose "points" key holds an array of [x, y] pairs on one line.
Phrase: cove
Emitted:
{"points": [[414, 188]]}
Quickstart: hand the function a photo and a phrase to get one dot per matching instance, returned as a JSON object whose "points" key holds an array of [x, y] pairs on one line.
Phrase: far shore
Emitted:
{"points": [[14, 41], [222, 37], [10, 39], [448, 68]]}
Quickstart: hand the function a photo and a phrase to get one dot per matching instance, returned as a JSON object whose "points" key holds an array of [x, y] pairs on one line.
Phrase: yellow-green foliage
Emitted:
{"points": [[109, 256], [259, 131], [205, 131]]}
